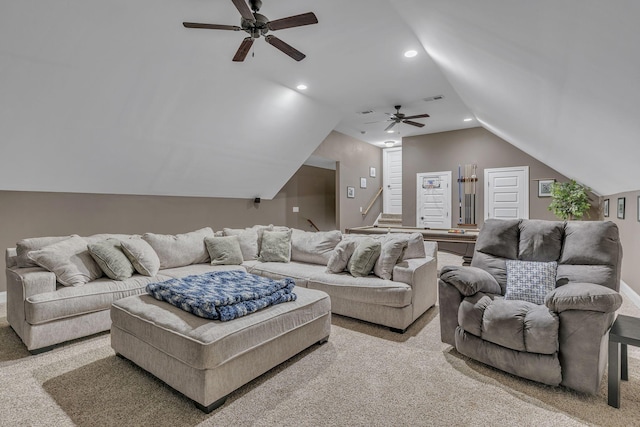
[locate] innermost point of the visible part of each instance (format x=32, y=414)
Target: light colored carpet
x=364, y=375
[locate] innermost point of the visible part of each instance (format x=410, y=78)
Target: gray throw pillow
x=390, y=253
x=224, y=250
x=142, y=256
x=364, y=258
x=69, y=260
x=113, y=262
x=340, y=256
x=180, y=249
x=530, y=280
x=248, y=239
x=276, y=246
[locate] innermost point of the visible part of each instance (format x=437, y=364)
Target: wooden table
x=455, y=243
x=625, y=330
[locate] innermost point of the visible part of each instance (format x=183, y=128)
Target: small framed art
x=351, y=192
x=621, y=207
x=372, y=172
x=544, y=187
x=638, y=211
x=605, y=208
x=363, y=182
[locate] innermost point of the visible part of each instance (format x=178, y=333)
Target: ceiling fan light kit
x=256, y=25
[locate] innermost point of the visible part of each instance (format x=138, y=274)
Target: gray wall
x=446, y=150
x=354, y=159
x=629, y=235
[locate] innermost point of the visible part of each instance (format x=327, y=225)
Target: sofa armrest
x=30, y=281
x=406, y=270
x=10, y=257
x=431, y=249
x=583, y=296
x=470, y=280
x=422, y=275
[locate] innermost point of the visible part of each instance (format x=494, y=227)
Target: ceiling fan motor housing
x=257, y=28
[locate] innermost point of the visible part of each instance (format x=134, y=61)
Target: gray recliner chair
x=560, y=342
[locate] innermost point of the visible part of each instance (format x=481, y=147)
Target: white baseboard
x=3, y=297
x=630, y=293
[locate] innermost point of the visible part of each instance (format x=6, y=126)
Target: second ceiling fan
x=399, y=117
x=256, y=25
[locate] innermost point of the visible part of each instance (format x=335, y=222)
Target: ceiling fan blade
x=390, y=126
x=244, y=10
x=417, y=116
x=409, y=122
x=244, y=48
x=211, y=26
x=293, y=21
x=285, y=48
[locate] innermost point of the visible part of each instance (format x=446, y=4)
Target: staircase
x=388, y=220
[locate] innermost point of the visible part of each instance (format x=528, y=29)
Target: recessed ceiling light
x=389, y=143
x=390, y=131
x=410, y=53
x=468, y=119
x=302, y=87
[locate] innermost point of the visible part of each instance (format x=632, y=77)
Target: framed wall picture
x=605, y=208
x=544, y=187
x=363, y=182
x=372, y=172
x=351, y=192
x=621, y=207
x=638, y=210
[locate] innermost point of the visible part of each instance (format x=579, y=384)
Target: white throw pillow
x=180, y=249
x=314, y=247
x=142, y=256
x=248, y=239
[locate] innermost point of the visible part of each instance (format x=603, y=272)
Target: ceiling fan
x=256, y=25
x=399, y=117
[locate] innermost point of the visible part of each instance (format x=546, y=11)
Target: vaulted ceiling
x=117, y=97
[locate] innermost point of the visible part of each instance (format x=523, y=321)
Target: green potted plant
x=569, y=200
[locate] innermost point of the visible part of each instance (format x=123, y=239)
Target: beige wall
x=446, y=150
x=629, y=235
x=354, y=159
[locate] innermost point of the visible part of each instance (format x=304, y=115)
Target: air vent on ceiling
x=364, y=113
x=434, y=98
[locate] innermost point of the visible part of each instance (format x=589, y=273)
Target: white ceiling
x=117, y=97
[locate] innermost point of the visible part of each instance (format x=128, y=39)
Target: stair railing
x=378, y=193
x=313, y=225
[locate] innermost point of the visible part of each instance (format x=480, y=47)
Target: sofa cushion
x=248, y=239
x=112, y=261
x=180, y=249
x=370, y=289
x=276, y=246
x=224, y=250
x=24, y=246
x=142, y=256
x=340, y=256
x=73, y=301
x=499, y=237
x=529, y=280
x=298, y=271
x=540, y=240
x=517, y=325
x=364, y=258
x=69, y=260
x=197, y=269
x=314, y=247
x=390, y=252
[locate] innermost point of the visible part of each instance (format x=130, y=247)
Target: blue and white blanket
x=223, y=295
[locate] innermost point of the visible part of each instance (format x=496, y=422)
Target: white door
x=506, y=193
x=433, y=200
x=392, y=180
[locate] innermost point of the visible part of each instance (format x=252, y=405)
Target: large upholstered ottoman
x=208, y=359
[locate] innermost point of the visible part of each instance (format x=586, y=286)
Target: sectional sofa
x=57, y=290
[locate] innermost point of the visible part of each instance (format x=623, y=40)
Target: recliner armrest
x=583, y=296
x=470, y=280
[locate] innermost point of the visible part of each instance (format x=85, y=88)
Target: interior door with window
x=433, y=201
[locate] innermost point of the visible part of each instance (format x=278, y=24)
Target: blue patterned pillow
x=529, y=280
